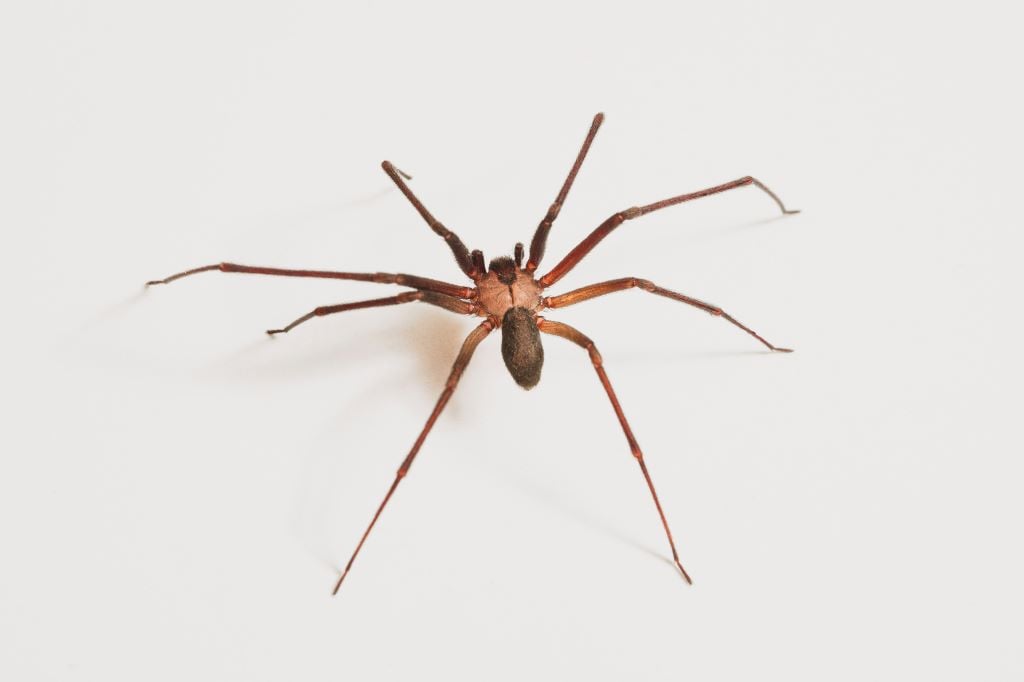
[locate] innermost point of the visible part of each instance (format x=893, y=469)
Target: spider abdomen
x=521, y=347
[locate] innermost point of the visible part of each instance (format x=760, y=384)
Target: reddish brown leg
x=577, y=337
x=470, y=344
x=447, y=302
x=595, y=290
x=462, y=255
x=379, y=277
x=540, y=237
x=605, y=228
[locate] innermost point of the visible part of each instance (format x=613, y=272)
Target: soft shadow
x=557, y=502
x=711, y=233
x=336, y=208
x=668, y=357
x=431, y=337
x=365, y=199
x=112, y=311
x=750, y=224
x=72, y=339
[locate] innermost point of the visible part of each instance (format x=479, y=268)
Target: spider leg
x=577, y=337
x=540, y=237
x=461, y=253
x=413, y=281
x=468, y=346
x=447, y=302
x=609, y=287
x=605, y=228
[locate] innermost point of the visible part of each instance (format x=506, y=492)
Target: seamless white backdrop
x=178, y=491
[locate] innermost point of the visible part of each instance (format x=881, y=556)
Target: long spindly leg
x=447, y=302
x=468, y=346
x=462, y=255
x=379, y=277
x=605, y=228
x=577, y=337
x=594, y=290
x=540, y=237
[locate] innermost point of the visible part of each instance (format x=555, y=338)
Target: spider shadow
x=720, y=232
x=557, y=502
x=663, y=356
x=364, y=199
x=411, y=353
x=87, y=341
x=431, y=338
x=110, y=312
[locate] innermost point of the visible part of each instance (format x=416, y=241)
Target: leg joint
x=409, y=296
x=644, y=284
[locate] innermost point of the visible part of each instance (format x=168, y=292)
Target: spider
x=509, y=296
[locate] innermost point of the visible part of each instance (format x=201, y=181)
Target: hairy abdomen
x=521, y=347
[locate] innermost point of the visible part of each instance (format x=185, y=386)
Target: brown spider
x=509, y=296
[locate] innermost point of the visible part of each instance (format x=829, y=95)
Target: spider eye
x=505, y=268
x=521, y=347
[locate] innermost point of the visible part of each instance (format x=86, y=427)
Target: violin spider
x=509, y=297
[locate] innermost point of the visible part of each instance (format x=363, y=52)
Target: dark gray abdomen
x=520, y=346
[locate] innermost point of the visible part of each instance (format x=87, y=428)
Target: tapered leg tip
x=783, y=350
x=792, y=211
x=155, y=282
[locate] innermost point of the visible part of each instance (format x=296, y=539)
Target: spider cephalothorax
x=507, y=294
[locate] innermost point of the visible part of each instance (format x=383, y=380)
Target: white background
x=178, y=491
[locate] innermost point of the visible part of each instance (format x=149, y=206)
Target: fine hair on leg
x=411, y=281
x=447, y=302
x=611, y=286
x=540, y=236
x=604, y=229
x=459, y=250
